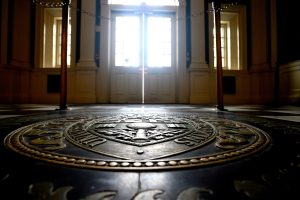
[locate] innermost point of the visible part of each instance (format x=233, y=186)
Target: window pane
x=127, y=41
x=52, y=38
x=222, y=42
x=159, y=44
x=222, y=32
x=148, y=2
x=162, y=2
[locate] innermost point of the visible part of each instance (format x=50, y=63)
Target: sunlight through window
x=148, y=2
x=225, y=46
x=147, y=43
x=127, y=41
x=159, y=42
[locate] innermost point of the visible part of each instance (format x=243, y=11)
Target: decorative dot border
x=14, y=142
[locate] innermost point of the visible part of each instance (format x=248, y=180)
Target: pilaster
x=87, y=34
x=198, y=34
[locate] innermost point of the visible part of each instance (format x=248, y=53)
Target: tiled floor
x=250, y=152
x=287, y=113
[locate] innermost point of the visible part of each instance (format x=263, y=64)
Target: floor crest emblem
x=137, y=141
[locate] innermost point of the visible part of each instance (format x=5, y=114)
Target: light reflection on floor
x=288, y=113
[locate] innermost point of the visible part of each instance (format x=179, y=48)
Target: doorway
x=143, y=57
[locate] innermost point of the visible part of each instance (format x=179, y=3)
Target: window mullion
x=143, y=53
x=143, y=40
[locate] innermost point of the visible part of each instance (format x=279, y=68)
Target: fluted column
x=87, y=34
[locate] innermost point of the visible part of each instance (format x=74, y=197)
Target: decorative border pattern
x=15, y=142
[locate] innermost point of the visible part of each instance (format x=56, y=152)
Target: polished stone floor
x=134, y=152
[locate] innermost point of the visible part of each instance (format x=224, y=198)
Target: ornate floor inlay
x=137, y=141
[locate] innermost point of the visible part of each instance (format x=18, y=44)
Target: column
x=3, y=29
x=198, y=34
x=21, y=36
x=103, y=75
x=200, y=79
x=85, y=72
x=87, y=34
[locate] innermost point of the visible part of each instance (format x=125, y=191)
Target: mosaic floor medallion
x=137, y=141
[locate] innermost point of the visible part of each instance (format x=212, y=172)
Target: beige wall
x=20, y=82
x=290, y=83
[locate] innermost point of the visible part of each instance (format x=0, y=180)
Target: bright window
x=225, y=46
x=57, y=43
x=52, y=38
x=233, y=38
x=159, y=42
x=148, y=2
x=147, y=43
x=127, y=41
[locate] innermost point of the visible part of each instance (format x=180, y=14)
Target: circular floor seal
x=137, y=141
